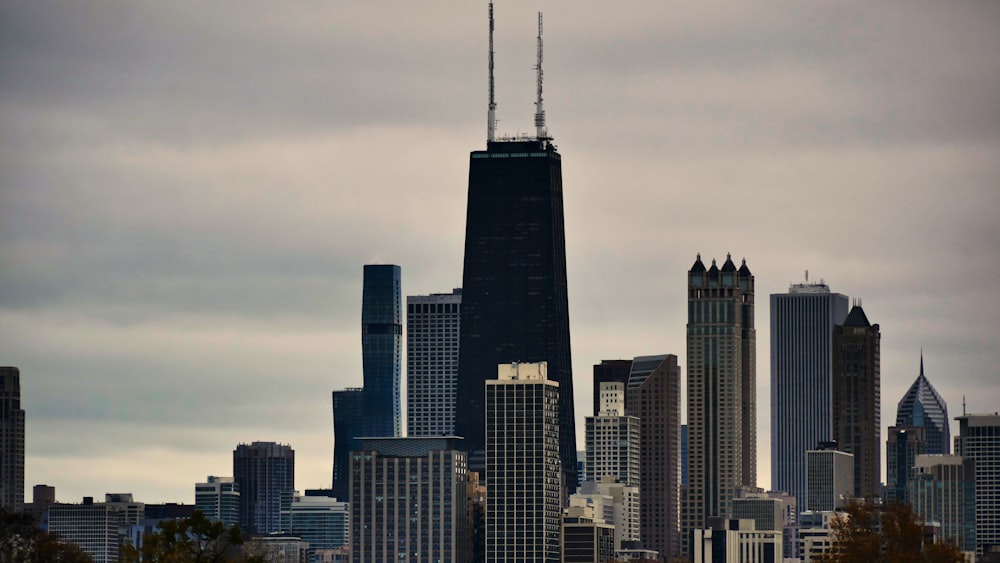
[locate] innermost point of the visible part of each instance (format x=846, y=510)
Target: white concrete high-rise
x=612, y=439
x=829, y=478
x=523, y=480
x=432, y=339
x=979, y=441
x=802, y=322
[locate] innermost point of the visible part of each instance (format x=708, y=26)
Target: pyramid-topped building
x=923, y=406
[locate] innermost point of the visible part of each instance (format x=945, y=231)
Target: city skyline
x=185, y=207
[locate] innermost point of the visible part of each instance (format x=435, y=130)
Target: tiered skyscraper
x=857, y=398
x=11, y=440
x=524, y=503
x=432, y=330
x=802, y=323
x=262, y=471
x=922, y=406
x=613, y=438
x=654, y=396
x=514, y=298
x=721, y=391
x=382, y=350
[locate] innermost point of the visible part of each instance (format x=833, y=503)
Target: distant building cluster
x=488, y=470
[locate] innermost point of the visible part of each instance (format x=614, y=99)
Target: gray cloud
x=188, y=192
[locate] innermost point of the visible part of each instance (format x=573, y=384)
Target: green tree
x=189, y=540
x=22, y=541
x=884, y=534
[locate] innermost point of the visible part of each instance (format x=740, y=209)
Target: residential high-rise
x=902, y=447
x=11, y=440
x=922, y=406
x=943, y=490
x=721, y=390
x=408, y=500
x=829, y=478
x=523, y=508
x=586, y=538
x=857, y=418
x=381, y=350
x=319, y=519
x=654, y=397
x=979, y=441
x=93, y=527
x=515, y=305
x=432, y=330
x=615, y=503
x=612, y=438
x=608, y=371
x=348, y=412
x=262, y=471
x=219, y=499
x=802, y=323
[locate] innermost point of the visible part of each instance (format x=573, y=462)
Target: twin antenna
x=491, y=116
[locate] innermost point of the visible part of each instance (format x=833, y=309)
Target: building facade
x=586, y=538
x=262, y=471
x=732, y=540
x=219, y=499
x=514, y=293
x=348, y=413
x=320, y=521
x=94, y=527
x=382, y=350
x=11, y=440
x=654, y=397
x=523, y=488
x=943, y=490
x=606, y=372
x=612, y=439
x=829, y=478
x=408, y=500
x=923, y=406
x=902, y=447
x=857, y=422
x=614, y=503
x=979, y=441
x=721, y=390
x=432, y=340
x=802, y=322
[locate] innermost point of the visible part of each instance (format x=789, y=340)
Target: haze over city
x=189, y=193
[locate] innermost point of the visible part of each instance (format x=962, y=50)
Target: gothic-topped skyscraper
x=922, y=406
x=514, y=298
x=721, y=391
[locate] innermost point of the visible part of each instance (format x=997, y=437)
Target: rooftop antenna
x=540, y=130
x=491, y=115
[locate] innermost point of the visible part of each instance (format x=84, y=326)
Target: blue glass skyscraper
x=381, y=350
x=922, y=406
x=802, y=323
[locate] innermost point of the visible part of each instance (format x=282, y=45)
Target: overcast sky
x=189, y=190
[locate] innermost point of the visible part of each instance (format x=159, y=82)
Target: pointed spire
x=698, y=266
x=728, y=266
x=744, y=270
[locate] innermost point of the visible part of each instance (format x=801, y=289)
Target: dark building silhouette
x=263, y=471
x=382, y=350
x=654, y=396
x=607, y=371
x=902, y=447
x=11, y=440
x=514, y=300
x=348, y=410
x=856, y=398
x=922, y=406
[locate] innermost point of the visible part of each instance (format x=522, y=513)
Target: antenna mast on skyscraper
x=540, y=130
x=491, y=115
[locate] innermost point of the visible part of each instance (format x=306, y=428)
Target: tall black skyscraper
x=382, y=349
x=348, y=412
x=514, y=300
x=11, y=440
x=263, y=471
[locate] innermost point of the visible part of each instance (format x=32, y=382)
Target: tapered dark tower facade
x=514, y=301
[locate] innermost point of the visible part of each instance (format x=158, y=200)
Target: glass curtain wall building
x=382, y=350
x=802, y=322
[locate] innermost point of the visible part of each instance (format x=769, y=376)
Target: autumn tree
x=888, y=533
x=189, y=540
